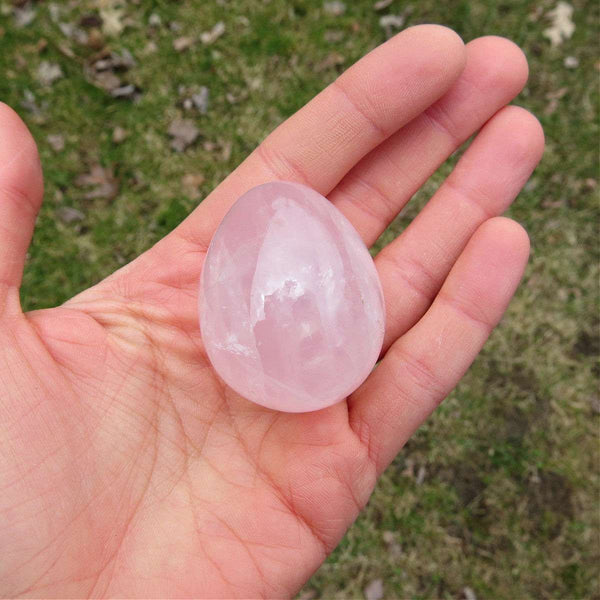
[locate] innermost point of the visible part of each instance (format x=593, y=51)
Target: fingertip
x=498, y=62
x=438, y=51
x=527, y=134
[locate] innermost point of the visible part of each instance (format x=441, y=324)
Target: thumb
x=21, y=190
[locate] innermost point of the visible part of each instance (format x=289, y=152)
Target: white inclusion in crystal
x=293, y=247
x=232, y=344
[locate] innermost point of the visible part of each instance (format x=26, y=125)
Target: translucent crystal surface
x=291, y=308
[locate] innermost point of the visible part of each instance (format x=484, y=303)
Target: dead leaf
x=107, y=80
x=226, y=148
x=382, y=4
x=191, y=185
x=335, y=8
x=333, y=59
x=421, y=473
x=112, y=20
x=209, y=37
x=41, y=45
x=101, y=180
x=119, y=135
x=56, y=141
x=393, y=547
x=374, y=591
x=68, y=214
x=66, y=50
x=469, y=594
x=389, y=23
x=128, y=92
x=24, y=16
x=154, y=20
x=562, y=26
x=409, y=468
x=200, y=100
x=184, y=133
x=95, y=39
x=571, y=62
x=149, y=48
x=182, y=43
x=48, y=73
x=557, y=94
x=30, y=104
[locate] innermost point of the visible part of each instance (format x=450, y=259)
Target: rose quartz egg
x=291, y=307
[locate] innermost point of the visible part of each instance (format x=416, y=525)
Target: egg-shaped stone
x=291, y=307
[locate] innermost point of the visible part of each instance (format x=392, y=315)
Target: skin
x=128, y=469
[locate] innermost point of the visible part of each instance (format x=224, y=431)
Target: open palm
x=127, y=467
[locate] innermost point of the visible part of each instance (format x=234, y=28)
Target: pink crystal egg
x=291, y=307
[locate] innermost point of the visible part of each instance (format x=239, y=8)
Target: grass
x=499, y=491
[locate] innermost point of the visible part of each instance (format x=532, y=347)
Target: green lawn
x=499, y=491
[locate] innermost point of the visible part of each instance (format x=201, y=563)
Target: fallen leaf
x=469, y=594
x=70, y=31
x=114, y=61
x=571, y=62
x=421, y=473
x=209, y=37
x=68, y=214
x=55, y=11
x=119, y=135
x=182, y=43
x=41, y=45
x=226, y=149
x=66, y=50
x=333, y=59
x=374, y=591
x=23, y=16
x=95, y=39
x=48, y=73
x=112, y=20
x=562, y=26
x=101, y=180
x=200, y=100
x=128, y=91
x=557, y=94
x=184, y=133
x=393, y=547
x=391, y=22
x=56, y=141
x=107, y=81
x=409, y=468
x=149, y=48
x=382, y=4
x=335, y=8
x=30, y=104
x=154, y=20
x=191, y=185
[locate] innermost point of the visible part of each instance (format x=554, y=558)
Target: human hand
x=127, y=468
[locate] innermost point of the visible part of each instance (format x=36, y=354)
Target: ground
x=496, y=497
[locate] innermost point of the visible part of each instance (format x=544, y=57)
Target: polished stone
x=291, y=307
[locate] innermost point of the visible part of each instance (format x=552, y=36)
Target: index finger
x=319, y=144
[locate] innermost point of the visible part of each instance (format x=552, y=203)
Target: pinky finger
x=426, y=363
